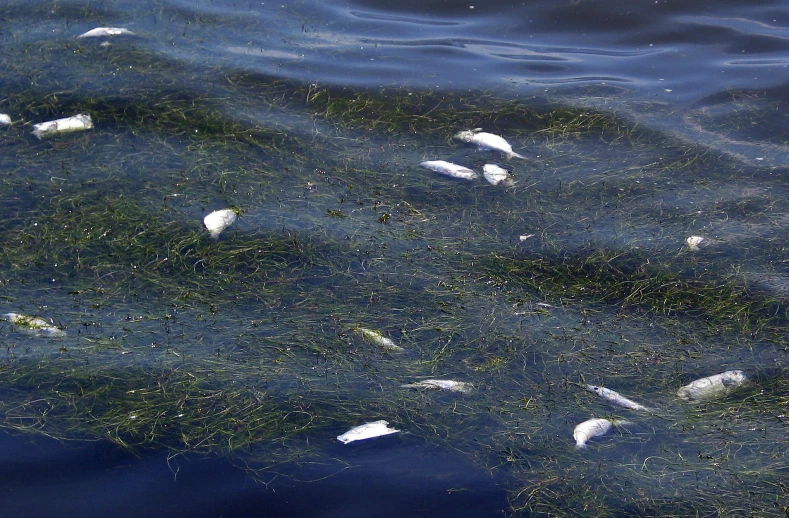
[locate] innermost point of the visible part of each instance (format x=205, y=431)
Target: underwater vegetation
x=350, y=273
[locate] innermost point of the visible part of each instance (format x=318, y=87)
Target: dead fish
x=713, y=386
x=366, y=431
x=450, y=169
x=487, y=141
x=379, y=340
x=695, y=242
x=218, y=221
x=450, y=385
x=100, y=32
x=593, y=428
x=78, y=122
x=497, y=175
x=615, y=397
x=34, y=326
x=5, y=120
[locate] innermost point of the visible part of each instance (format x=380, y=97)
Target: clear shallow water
x=673, y=125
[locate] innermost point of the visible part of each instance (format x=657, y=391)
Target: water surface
x=240, y=359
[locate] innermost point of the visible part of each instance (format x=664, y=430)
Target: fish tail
x=513, y=154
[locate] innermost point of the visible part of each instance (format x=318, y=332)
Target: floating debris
x=100, y=32
x=450, y=385
x=34, y=326
x=695, y=242
x=487, y=141
x=615, y=397
x=450, y=169
x=366, y=431
x=593, y=428
x=497, y=175
x=713, y=386
x=5, y=120
x=219, y=220
x=76, y=123
x=379, y=339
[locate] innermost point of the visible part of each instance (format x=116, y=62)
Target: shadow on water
x=96, y=478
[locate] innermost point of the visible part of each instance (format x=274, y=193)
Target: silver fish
x=379, y=340
x=366, y=431
x=497, y=175
x=713, y=386
x=100, y=32
x=69, y=124
x=450, y=169
x=615, y=397
x=593, y=428
x=450, y=385
x=487, y=141
x=5, y=119
x=34, y=326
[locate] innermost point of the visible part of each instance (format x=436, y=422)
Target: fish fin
x=516, y=155
x=477, y=130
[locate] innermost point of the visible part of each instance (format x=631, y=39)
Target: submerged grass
x=632, y=279
x=178, y=409
x=114, y=239
x=263, y=361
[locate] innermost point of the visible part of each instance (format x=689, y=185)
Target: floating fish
x=695, y=242
x=487, y=141
x=366, y=431
x=450, y=169
x=5, y=120
x=497, y=175
x=76, y=123
x=614, y=397
x=34, y=326
x=451, y=385
x=593, y=428
x=219, y=220
x=713, y=386
x=379, y=339
x=100, y=32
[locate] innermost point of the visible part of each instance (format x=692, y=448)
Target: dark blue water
x=706, y=76
x=45, y=478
